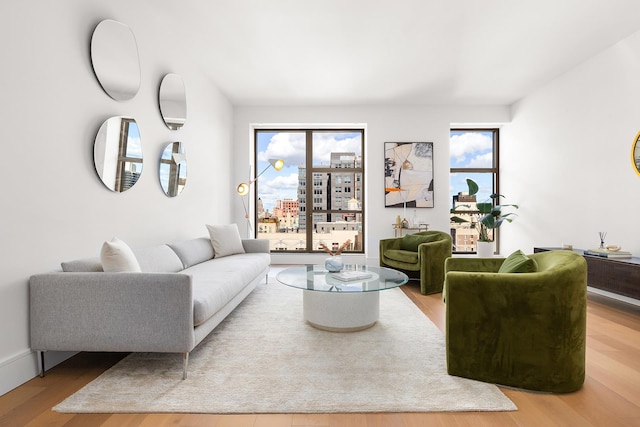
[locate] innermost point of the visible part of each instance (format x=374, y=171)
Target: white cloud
x=467, y=143
x=481, y=161
x=288, y=146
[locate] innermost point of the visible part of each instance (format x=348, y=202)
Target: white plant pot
x=485, y=249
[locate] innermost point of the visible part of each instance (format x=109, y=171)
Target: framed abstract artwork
x=408, y=174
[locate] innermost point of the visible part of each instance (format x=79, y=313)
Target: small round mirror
x=173, y=169
x=173, y=101
x=635, y=154
x=114, y=55
x=117, y=153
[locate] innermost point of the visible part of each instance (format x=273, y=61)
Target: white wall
x=54, y=207
x=566, y=156
x=383, y=124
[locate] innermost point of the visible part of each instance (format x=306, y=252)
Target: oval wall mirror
x=173, y=169
x=117, y=153
x=635, y=154
x=173, y=101
x=114, y=55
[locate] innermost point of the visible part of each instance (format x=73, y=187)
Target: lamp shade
x=243, y=189
x=277, y=163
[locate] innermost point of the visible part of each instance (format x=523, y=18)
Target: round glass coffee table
x=341, y=302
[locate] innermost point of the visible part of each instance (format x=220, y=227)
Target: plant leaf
x=473, y=187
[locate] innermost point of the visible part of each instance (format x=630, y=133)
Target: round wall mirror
x=117, y=153
x=635, y=154
x=173, y=101
x=114, y=55
x=173, y=169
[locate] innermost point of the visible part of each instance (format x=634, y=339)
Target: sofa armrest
x=256, y=245
x=111, y=312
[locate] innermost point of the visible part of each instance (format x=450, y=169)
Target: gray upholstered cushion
x=225, y=240
x=216, y=282
x=158, y=259
x=84, y=265
x=194, y=251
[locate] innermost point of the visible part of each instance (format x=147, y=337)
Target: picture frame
x=408, y=174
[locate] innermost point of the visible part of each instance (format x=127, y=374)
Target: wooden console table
x=619, y=276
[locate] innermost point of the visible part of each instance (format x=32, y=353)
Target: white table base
x=341, y=311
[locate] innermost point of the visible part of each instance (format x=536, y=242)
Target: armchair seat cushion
x=408, y=257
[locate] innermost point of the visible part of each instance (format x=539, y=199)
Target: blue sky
x=471, y=149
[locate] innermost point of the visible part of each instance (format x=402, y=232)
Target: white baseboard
x=612, y=295
x=22, y=367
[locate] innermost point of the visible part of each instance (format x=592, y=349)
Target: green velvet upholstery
x=425, y=262
x=524, y=330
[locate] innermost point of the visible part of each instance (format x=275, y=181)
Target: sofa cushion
x=410, y=242
x=225, y=240
x=518, y=262
x=117, y=256
x=217, y=281
x=410, y=257
x=158, y=259
x=83, y=265
x=193, y=251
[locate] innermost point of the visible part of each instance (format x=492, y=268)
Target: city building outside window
x=330, y=214
x=474, y=154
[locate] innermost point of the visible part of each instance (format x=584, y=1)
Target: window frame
x=310, y=194
x=495, y=170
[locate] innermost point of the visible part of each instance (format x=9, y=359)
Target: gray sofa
x=181, y=295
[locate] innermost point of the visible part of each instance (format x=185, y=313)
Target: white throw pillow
x=116, y=256
x=225, y=240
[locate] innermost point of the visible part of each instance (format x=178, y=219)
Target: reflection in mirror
x=173, y=102
x=117, y=153
x=173, y=169
x=114, y=55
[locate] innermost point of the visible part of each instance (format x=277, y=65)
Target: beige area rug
x=264, y=358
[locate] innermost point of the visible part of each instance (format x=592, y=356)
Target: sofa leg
x=41, y=363
x=185, y=365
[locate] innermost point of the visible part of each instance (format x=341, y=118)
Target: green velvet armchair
x=525, y=330
x=419, y=255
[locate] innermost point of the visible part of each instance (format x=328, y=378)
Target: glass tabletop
x=353, y=278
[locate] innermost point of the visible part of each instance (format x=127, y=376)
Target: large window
x=318, y=196
x=474, y=155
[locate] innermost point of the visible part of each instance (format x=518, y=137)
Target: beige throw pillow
x=225, y=240
x=116, y=256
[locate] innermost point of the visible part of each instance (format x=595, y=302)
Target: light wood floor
x=610, y=396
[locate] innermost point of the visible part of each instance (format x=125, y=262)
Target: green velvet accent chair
x=420, y=256
x=524, y=330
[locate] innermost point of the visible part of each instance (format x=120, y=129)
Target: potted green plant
x=491, y=216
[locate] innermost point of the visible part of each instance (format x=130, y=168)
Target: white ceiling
x=376, y=52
